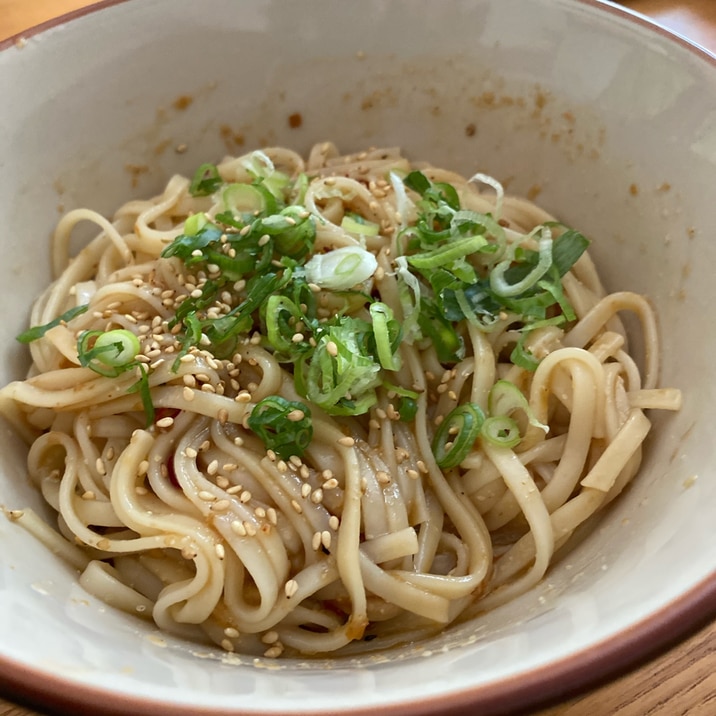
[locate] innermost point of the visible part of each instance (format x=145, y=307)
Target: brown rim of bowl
x=539, y=687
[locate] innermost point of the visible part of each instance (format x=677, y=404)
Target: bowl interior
x=572, y=104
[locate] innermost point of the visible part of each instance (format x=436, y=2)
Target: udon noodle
x=297, y=406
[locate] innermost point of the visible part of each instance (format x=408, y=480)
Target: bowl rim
x=539, y=687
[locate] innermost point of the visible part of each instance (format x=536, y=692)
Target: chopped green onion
x=142, y=387
x=284, y=426
x=407, y=409
x=356, y=224
x=567, y=249
x=449, y=345
x=111, y=353
x=408, y=284
x=247, y=199
x=282, y=319
x=522, y=357
x=456, y=435
x=399, y=390
x=445, y=255
x=195, y=223
x=342, y=374
x=186, y=244
x=501, y=431
x=108, y=353
x=342, y=268
x=387, y=334
x=499, y=284
x=496, y=185
x=206, y=180
x=297, y=233
x=32, y=334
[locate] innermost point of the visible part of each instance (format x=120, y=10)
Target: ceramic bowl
x=604, y=119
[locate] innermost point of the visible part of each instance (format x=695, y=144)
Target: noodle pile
x=327, y=439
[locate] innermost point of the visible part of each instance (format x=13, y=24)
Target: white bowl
x=607, y=118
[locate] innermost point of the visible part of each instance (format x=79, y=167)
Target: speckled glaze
x=603, y=118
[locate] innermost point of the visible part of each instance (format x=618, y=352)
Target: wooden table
x=682, y=681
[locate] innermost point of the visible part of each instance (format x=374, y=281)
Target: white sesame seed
x=346, y=441
x=297, y=507
x=274, y=651
x=291, y=587
x=99, y=465
x=231, y=633
x=332, y=348
x=326, y=539
x=190, y=452
x=330, y=484
x=206, y=496
x=317, y=496
x=296, y=415
x=272, y=516
x=227, y=645
x=316, y=541
x=245, y=496
x=220, y=551
x=238, y=528
x=188, y=394
x=270, y=637
x=213, y=467
x=165, y=422
x=333, y=522
x=221, y=506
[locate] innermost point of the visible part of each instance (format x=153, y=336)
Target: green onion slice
x=387, y=334
x=284, y=426
x=456, y=435
x=505, y=398
x=206, y=180
x=108, y=353
x=342, y=268
x=356, y=224
x=32, y=334
x=501, y=431
x=500, y=285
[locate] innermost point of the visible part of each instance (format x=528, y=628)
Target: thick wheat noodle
x=193, y=523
